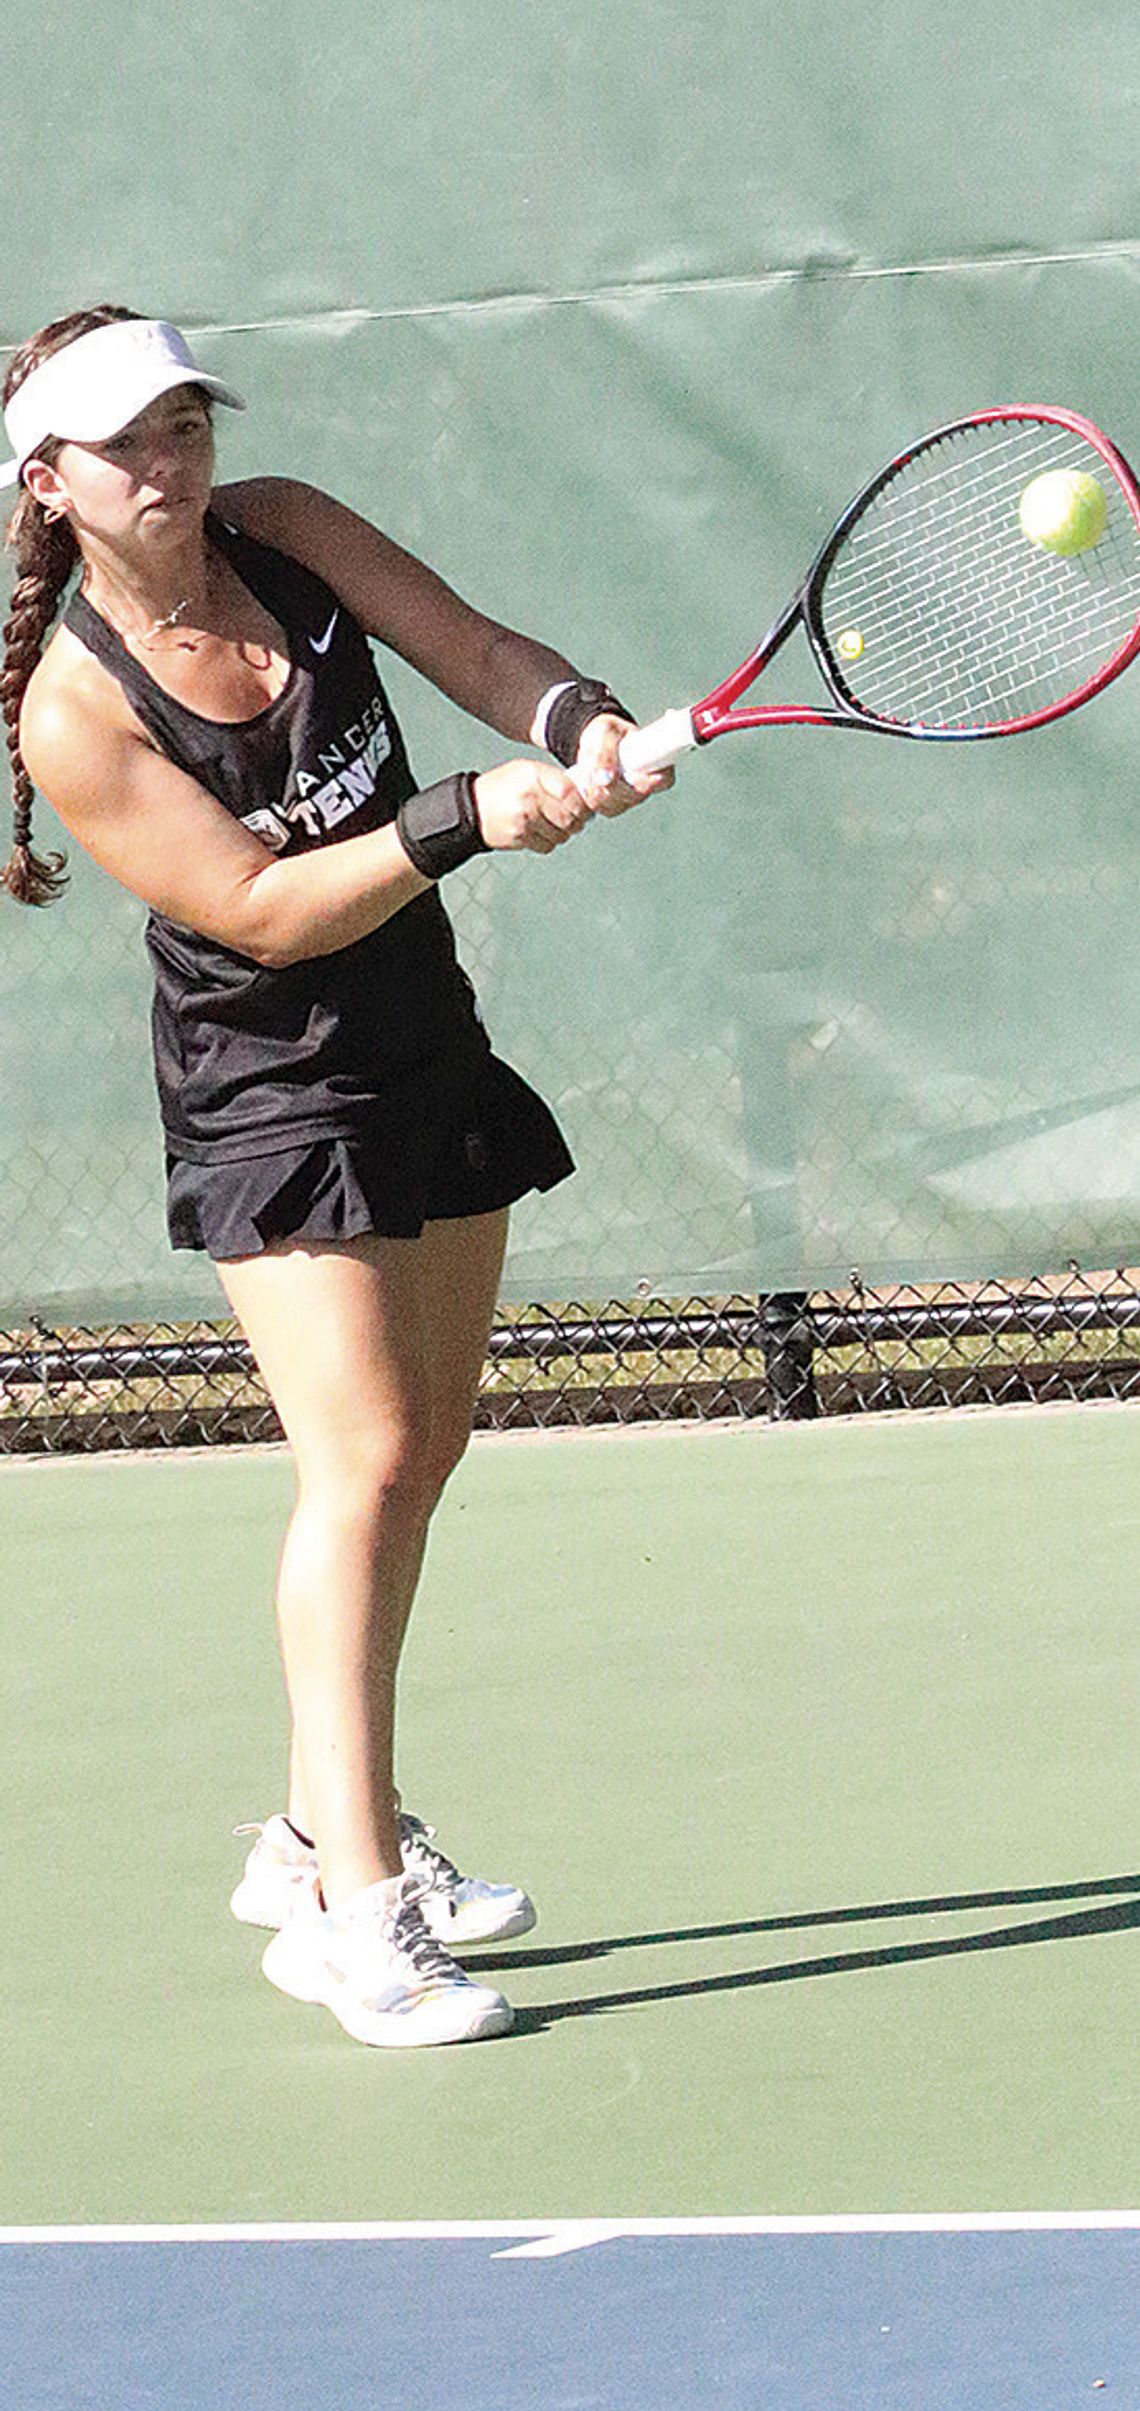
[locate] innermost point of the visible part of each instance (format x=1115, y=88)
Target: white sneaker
x=281, y=1875
x=461, y=1908
x=377, y=1967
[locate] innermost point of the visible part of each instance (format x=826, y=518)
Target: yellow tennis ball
x=1065, y=511
x=849, y=645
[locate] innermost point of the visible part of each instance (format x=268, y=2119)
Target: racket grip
x=658, y=745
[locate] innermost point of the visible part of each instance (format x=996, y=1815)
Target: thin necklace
x=158, y=627
x=171, y=621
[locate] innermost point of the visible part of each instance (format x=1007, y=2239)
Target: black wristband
x=439, y=827
x=572, y=711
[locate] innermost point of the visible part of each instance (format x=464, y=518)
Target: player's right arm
x=160, y=834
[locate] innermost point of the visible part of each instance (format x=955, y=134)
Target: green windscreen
x=606, y=312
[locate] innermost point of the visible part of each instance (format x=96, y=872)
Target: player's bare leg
x=372, y=1354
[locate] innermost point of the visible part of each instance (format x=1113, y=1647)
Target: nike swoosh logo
x=320, y=644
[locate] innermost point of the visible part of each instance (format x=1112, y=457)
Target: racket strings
x=939, y=612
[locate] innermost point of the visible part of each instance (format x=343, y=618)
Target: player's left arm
x=493, y=672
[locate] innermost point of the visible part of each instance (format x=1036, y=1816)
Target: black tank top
x=249, y=1060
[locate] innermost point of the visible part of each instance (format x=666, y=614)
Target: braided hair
x=46, y=554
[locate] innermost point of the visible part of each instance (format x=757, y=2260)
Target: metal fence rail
x=784, y=1356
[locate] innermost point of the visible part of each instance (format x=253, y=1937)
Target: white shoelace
x=439, y=1873
x=416, y=1943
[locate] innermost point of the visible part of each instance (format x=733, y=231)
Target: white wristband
x=542, y=709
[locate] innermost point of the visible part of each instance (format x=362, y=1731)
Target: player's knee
x=383, y=1475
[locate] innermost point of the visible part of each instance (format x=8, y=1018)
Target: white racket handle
x=657, y=746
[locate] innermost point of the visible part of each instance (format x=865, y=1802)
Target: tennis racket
x=932, y=613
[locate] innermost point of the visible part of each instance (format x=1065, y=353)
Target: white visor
x=95, y=386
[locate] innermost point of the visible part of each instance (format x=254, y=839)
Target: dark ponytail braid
x=46, y=554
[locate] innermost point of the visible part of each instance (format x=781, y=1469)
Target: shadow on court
x=1120, y=1913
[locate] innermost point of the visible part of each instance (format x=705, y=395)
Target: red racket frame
x=715, y=715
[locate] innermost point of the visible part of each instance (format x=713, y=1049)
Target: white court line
x=576, y=2235
x=545, y=2239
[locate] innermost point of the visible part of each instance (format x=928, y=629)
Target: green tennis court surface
x=814, y=1745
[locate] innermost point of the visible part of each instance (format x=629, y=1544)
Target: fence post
x=788, y=1342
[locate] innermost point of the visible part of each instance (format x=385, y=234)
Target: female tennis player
x=208, y=722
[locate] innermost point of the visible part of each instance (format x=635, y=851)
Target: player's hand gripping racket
x=987, y=582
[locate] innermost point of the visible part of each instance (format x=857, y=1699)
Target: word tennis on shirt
x=344, y=781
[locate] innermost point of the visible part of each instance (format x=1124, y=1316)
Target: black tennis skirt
x=467, y=1144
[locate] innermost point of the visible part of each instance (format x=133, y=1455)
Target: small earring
x=56, y=511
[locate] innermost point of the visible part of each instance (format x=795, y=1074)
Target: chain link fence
x=812, y=1069
x=699, y=1139
x=834, y=1005
x=787, y=1356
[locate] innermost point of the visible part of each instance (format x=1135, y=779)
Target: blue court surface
x=842, y=2315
